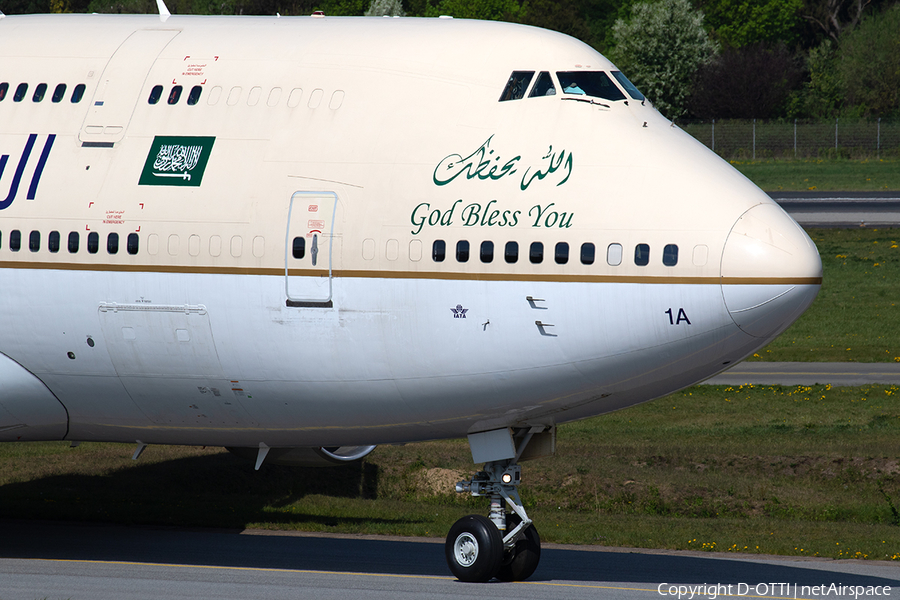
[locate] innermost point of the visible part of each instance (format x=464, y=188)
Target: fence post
x=878, y=146
x=795, y=138
x=713, y=135
x=754, y=139
x=835, y=137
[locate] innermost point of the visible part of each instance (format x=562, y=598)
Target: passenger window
x=39, y=92
x=614, y=255
x=132, y=243
x=536, y=253
x=93, y=242
x=701, y=255
x=516, y=85
x=53, y=241
x=77, y=93
x=487, y=252
x=20, y=92
x=194, y=245
x=670, y=255
x=298, y=248
x=512, y=252
x=587, y=253
x=415, y=250
x=589, y=83
x=629, y=87
x=253, y=96
x=642, y=255
x=59, y=93
x=438, y=250
x=462, y=251
x=34, y=241
x=543, y=86
x=15, y=240
x=194, y=96
x=175, y=95
x=4, y=87
x=562, y=253
x=112, y=243
x=155, y=94
x=73, y=242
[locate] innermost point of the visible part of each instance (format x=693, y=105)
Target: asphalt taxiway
x=809, y=373
x=841, y=209
x=103, y=562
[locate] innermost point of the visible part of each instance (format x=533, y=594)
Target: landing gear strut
x=504, y=545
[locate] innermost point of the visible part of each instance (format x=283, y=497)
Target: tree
x=824, y=93
x=869, y=63
x=385, y=8
x=661, y=48
x=558, y=16
x=746, y=83
x=590, y=21
x=740, y=23
x=834, y=16
x=490, y=10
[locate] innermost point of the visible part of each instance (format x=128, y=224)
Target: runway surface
x=841, y=209
x=808, y=373
x=100, y=562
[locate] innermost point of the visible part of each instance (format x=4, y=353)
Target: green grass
x=822, y=175
x=856, y=316
x=796, y=471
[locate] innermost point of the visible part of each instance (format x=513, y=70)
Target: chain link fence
x=740, y=139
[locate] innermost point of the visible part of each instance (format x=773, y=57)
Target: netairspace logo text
x=782, y=590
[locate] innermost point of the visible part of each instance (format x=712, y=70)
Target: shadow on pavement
x=75, y=541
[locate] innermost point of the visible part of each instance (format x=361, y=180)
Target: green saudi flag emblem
x=176, y=160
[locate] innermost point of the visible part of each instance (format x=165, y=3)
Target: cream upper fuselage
x=367, y=145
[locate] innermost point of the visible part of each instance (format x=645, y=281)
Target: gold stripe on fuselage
x=448, y=276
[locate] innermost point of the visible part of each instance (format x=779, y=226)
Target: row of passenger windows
x=40, y=92
x=236, y=94
x=73, y=242
x=174, y=95
x=614, y=253
x=172, y=244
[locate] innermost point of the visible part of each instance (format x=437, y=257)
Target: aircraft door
x=310, y=249
x=121, y=85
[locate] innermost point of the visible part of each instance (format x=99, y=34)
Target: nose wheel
x=520, y=561
x=506, y=545
x=474, y=549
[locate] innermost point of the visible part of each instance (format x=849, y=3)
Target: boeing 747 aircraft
x=299, y=238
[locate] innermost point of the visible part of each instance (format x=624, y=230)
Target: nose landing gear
x=506, y=545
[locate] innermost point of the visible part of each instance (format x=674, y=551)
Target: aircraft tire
x=474, y=549
x=521, y=561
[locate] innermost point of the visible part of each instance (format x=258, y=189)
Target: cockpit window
x=589, y=83
x=516, y=86
x=629, y=87
x=543, y=86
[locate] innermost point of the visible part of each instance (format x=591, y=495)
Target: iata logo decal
x=176, y=160
x=459, y=312
x=16, y=179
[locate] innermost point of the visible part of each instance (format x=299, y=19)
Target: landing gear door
x=310, y=249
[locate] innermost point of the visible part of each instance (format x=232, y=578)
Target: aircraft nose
x=771, y=271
